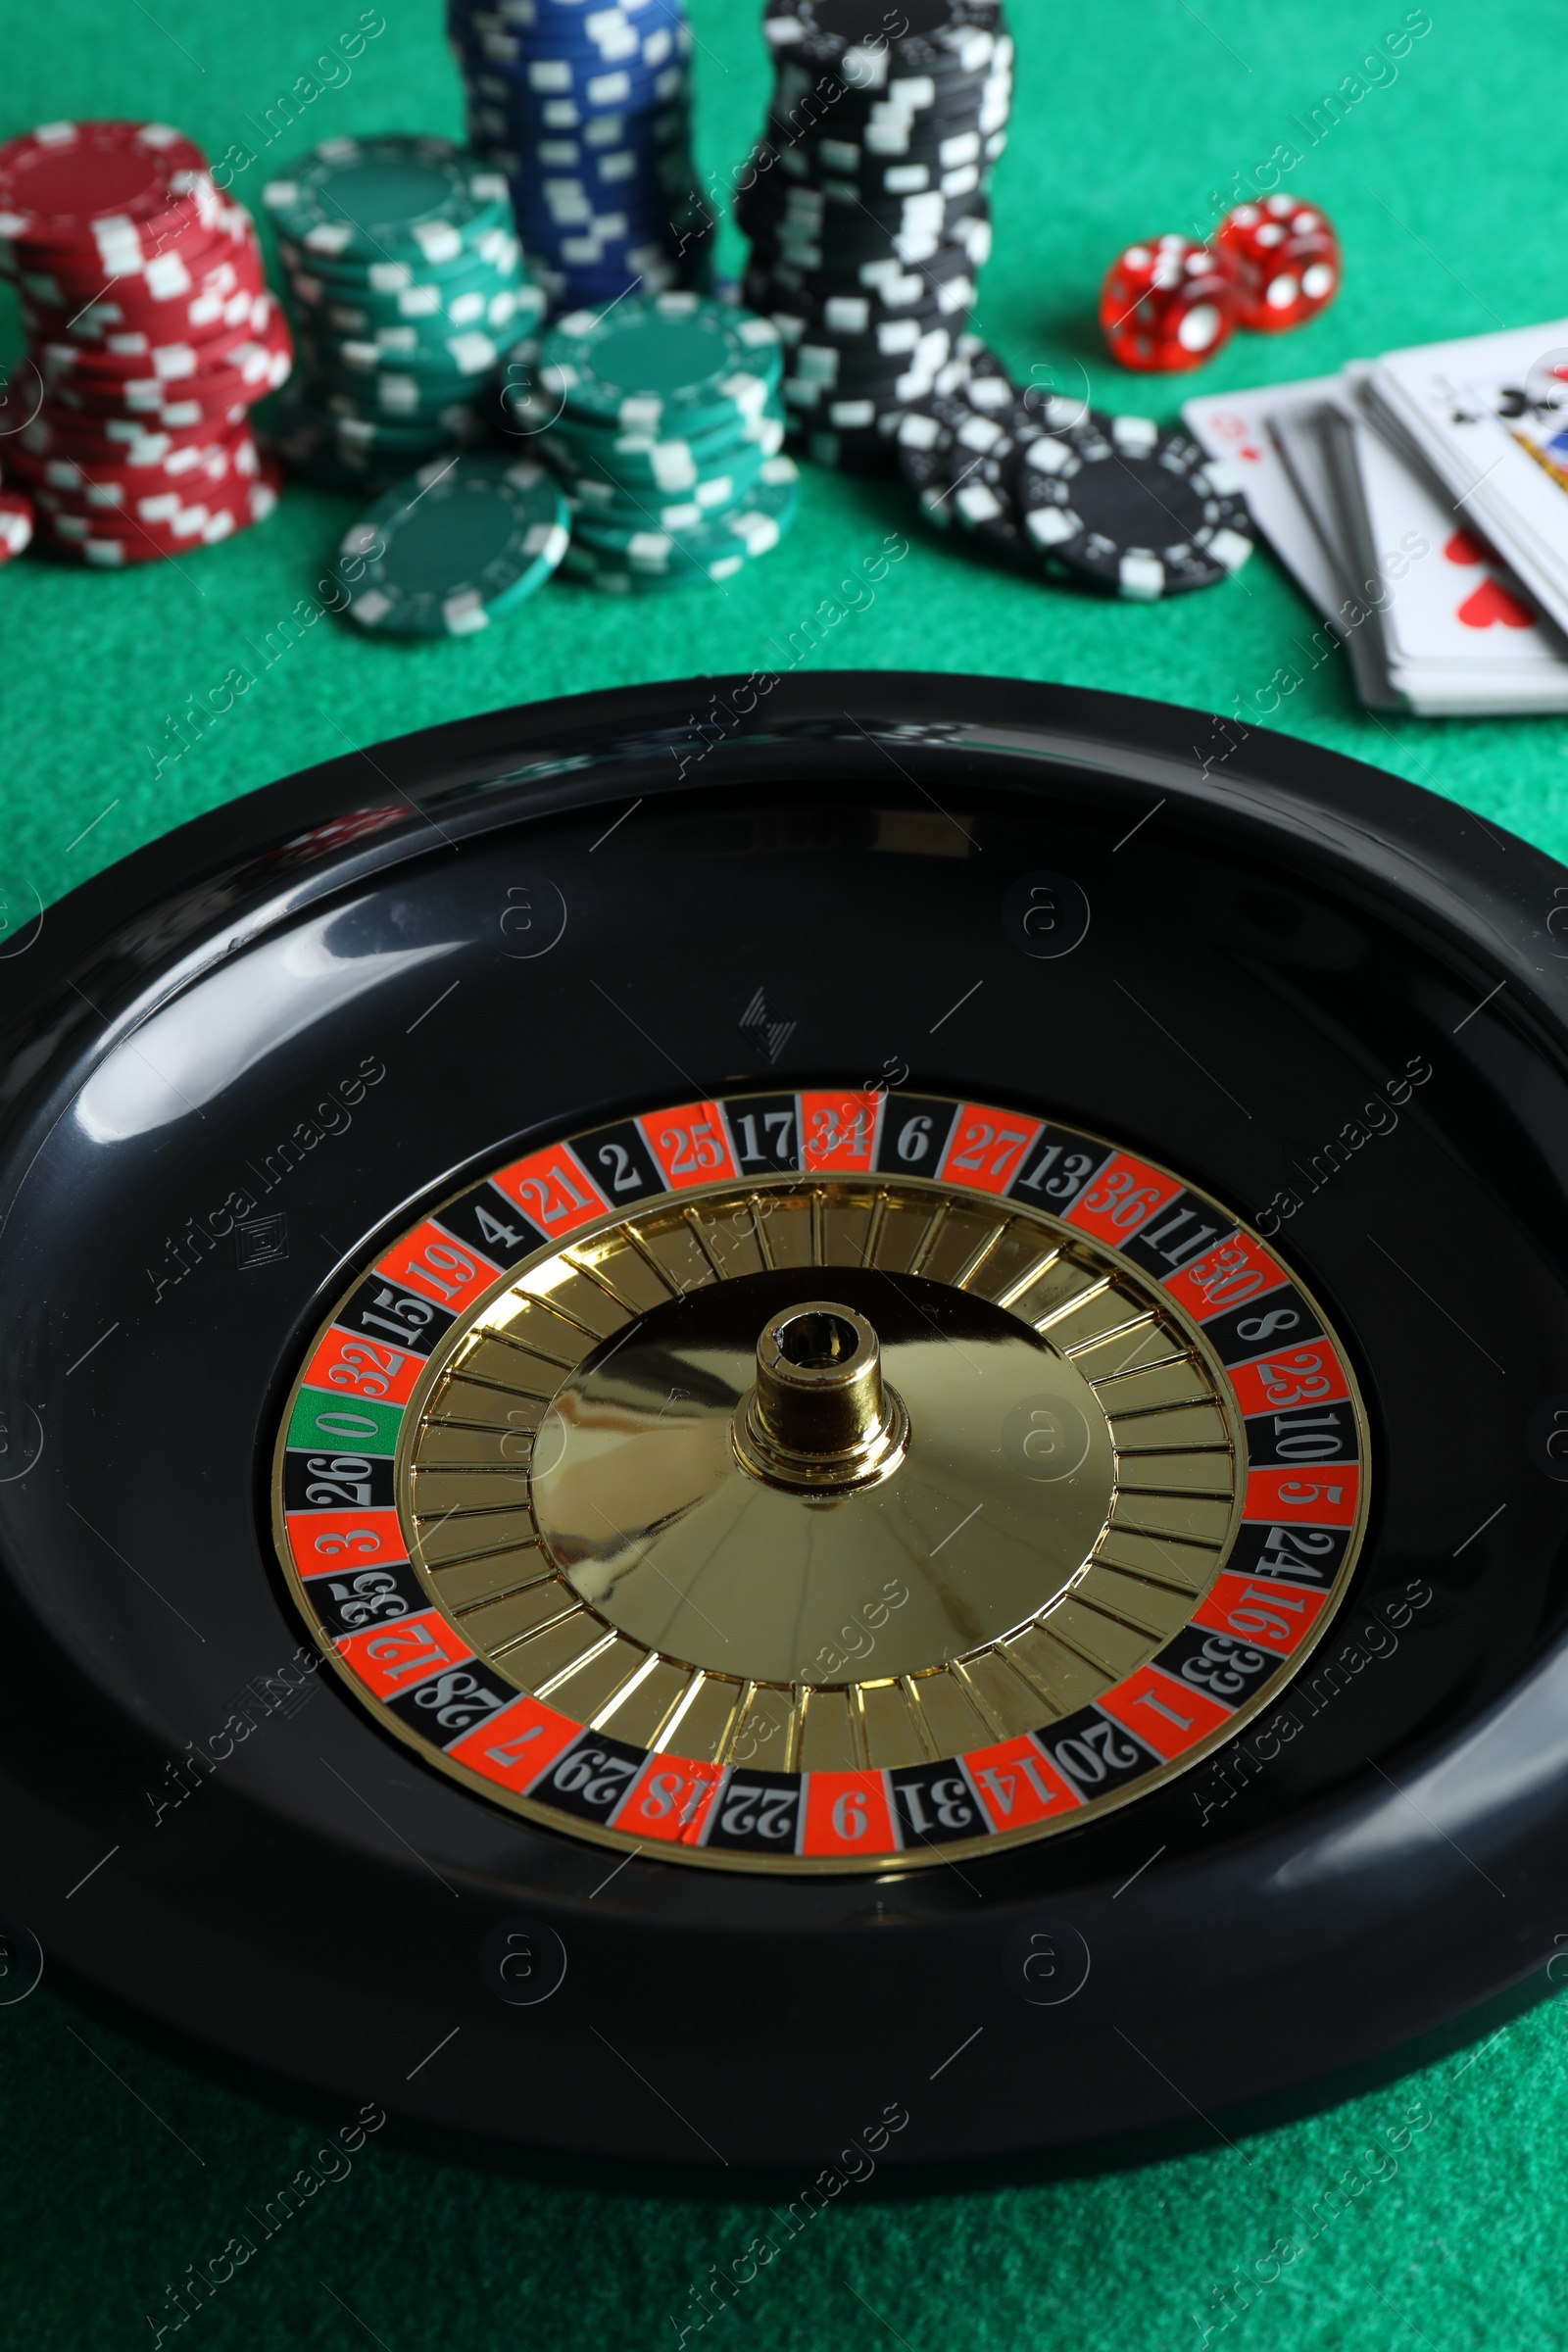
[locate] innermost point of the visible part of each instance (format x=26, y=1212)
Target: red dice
x=1284, y=257
x=1166, y=306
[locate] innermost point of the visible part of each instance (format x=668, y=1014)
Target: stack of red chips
x=152, y=333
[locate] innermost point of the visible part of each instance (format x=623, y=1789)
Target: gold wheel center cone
x=821, y=1419
x=962, y=1499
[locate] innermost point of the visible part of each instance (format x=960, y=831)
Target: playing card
x=1449, y=605
x=1488, y=413
x=1263, y=434
x=1235, y=426
x=1457, y=633
x=1299, y=430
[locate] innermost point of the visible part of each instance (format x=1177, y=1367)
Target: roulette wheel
x=852, y=1408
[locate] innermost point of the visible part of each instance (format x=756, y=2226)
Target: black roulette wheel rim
x=313, y=1897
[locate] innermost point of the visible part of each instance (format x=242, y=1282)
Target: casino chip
x=940, y=38
x=661, y=419
x=667, y=364
x=152, y=332
x=386, y=201
x=703, y=546
x=351, y=454
x=866, y=202
x=957, y=441
x=588, y=113
x=1045, y=482
x=986, y=448
x=159, y=524
x=1131, y=509
x=119, y=189
x=406, y=283
x=461, y=543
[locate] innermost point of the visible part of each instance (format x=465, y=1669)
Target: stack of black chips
x=1049, y=484
x=866, y=205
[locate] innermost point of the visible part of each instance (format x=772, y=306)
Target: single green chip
x=638, y=461
x=495, y=257
x=393, y=413
x=388, y=201
x=610, y=578
x=349, y=457
x=666, y=364
x=713, y=549
x=641, y=507
x=667, y=459
x=426, y=313
x=454, y=358
x=453, y=547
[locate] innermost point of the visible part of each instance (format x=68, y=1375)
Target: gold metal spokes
x=821, y=1419
x=646, y=1506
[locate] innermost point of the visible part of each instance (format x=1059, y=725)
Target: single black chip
x=957, y=447
x=925, y=441
x=1131, y=509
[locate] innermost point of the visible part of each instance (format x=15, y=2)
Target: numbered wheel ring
x=567, y=1519
x=429, y=1210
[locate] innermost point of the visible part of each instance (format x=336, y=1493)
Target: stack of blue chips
x=586, y=109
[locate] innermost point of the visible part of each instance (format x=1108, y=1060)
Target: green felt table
x=1421, y=2211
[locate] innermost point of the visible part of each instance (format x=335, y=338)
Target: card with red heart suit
x=1430, y=617
x=1455, y=622
x=1488, y=416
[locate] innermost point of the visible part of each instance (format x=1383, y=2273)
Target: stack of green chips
x=406, y=283
x=663, y=421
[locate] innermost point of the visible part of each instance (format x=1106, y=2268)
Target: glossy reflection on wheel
x=657, y=1526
